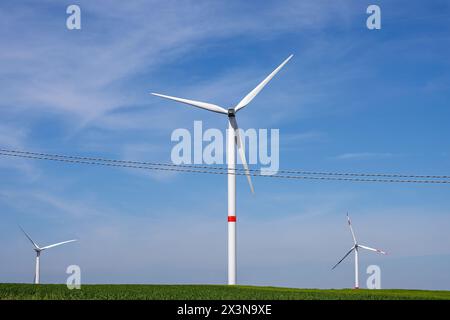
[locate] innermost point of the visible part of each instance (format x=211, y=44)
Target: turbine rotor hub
x=231, y=112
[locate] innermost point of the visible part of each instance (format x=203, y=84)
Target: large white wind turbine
x=233, y=139
x=39, y=250
x=355, y=248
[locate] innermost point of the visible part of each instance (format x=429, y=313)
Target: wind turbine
x=39, y=250
x=233, y=138
x=355, y=248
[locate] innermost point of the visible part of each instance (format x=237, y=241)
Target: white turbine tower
x=38, y=252
x=355, y=248
x=232, y=139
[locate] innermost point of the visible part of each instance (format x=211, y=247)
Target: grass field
x=204, y=292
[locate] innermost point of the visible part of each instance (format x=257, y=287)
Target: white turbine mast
x=38, y=251
x=355, y=248
x=234, y=140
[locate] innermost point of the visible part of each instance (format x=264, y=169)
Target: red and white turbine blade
x=249, y=97
x=351, y=228
x=241, y=150
x=57, y=244
x=198, y=104
x=346, y=255
x=372, y=249
x=29, y=238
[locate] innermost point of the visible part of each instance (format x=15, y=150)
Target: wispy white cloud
x=364, y=156
x=12, y=136
x=80, y=74
x=309, y=136
x=50, y=205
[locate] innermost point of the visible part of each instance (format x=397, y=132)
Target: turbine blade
x=351, y=228
x=57, y=244
x=241, y=150
x=346, y=255
x=249, y=97
x=372, y=249
x=198, y=104
x=29, y=238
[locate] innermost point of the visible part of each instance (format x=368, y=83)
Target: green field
x=205, y=292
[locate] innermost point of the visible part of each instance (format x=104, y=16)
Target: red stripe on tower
x=231, y=218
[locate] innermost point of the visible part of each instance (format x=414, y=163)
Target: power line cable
x=196, y=167
x=189, y=170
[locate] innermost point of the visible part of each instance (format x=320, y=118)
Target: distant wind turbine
x=233, y=139
x=39, y=250
x=355, y=248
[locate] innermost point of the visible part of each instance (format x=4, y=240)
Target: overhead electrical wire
x=211, y=167
x=281, y=174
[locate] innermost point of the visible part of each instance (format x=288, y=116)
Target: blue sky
x=350, y=100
